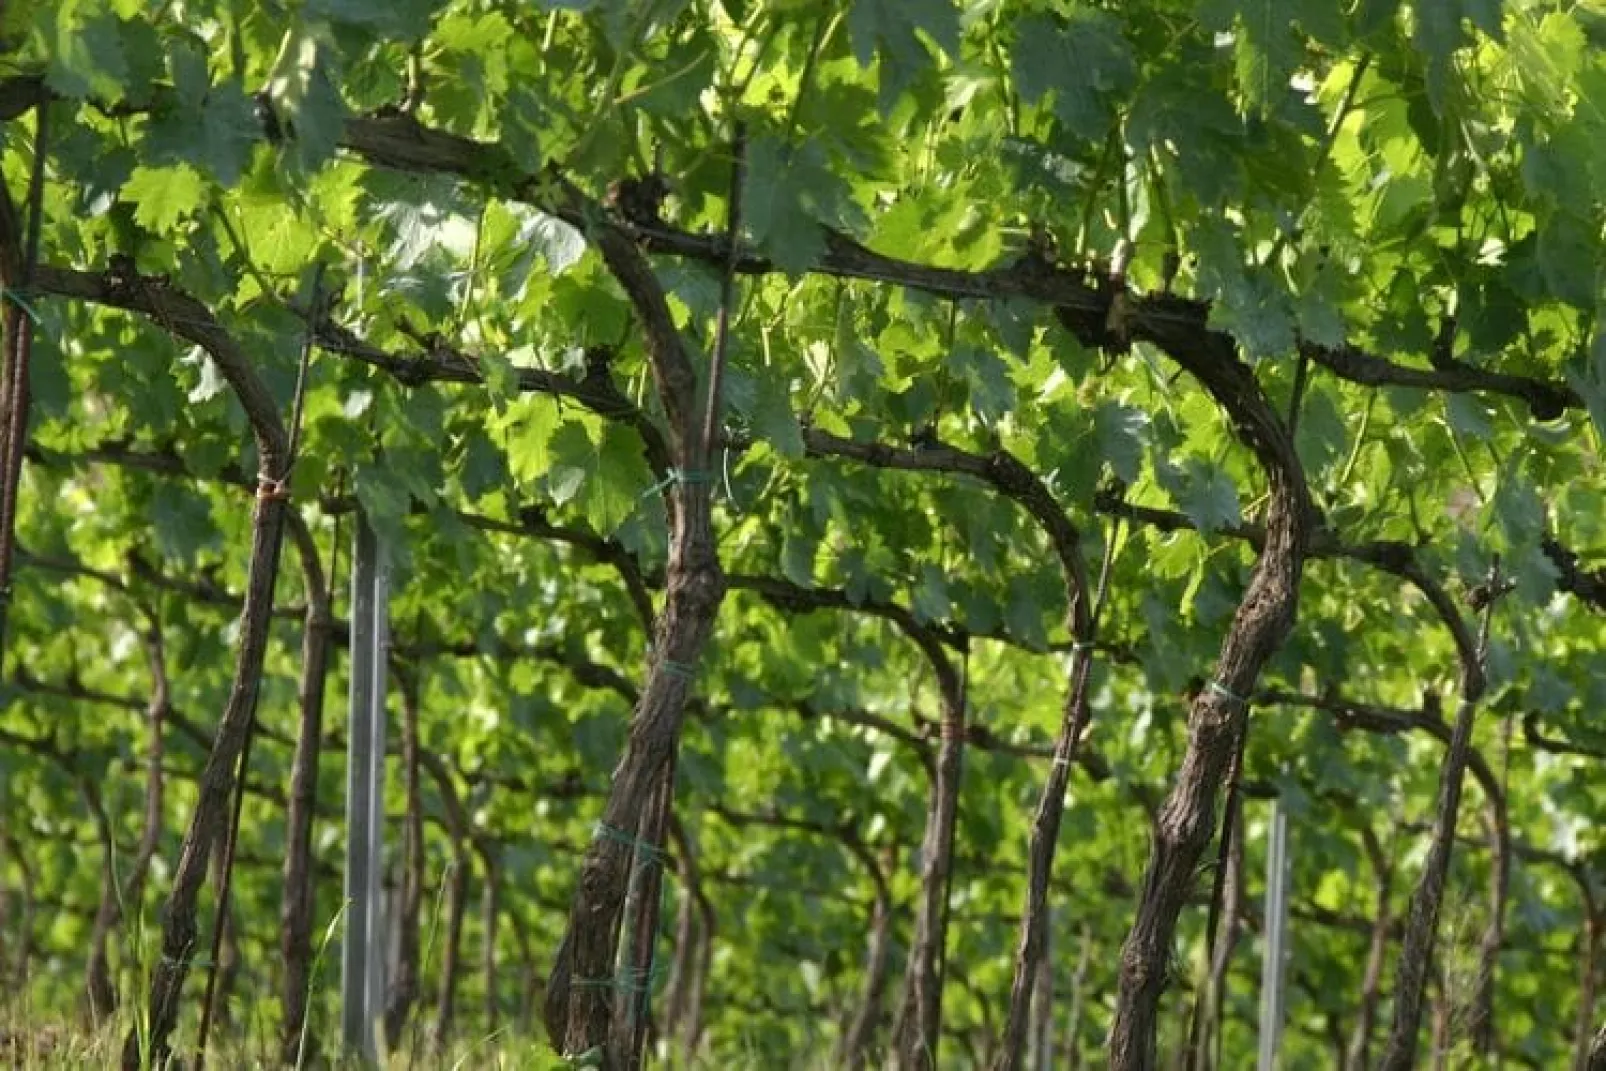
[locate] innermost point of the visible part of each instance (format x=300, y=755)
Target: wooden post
x=362, y=961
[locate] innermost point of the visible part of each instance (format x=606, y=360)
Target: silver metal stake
x=1274, y=952
x=362, y=959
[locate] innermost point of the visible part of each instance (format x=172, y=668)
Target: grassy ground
x=56, y=1046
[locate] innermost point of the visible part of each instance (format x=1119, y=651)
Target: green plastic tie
x=20, y=302
x=683, y=476
x=593, y=983
x=627, y=980
x=1226, y=693
x=682, y=670
x=1078, y=645
x=592, y=1057
x=651, y=853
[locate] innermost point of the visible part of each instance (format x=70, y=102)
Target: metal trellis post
x=362, y=962
x=1274, y=953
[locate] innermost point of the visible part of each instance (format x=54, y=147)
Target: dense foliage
x=1127, y=414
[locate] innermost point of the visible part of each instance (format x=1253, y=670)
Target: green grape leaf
x=776, y=202
x=891, y=29
x=528, y=427
x=85, y=48
x=182, y=523
x=1204, y=492
x=1119, y=430
x=1083, y=60
x=306, y=101
x=163, y=197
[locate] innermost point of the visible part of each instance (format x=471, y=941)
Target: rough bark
x=1588, y=980
x=578, y=1016
x=296, y=919
x=184, y=317
x=100, y=992
x=1260, y=625
x=1597, y=1050
x=1359, y=1052
x=915, y=1045
x=1481, y=1015
x=1040, y=853
x=1073, y=1018
x=1040, y=1039
x=1222, y=931
x=681, y=965
x=853, y=1051
x=230, y=962
x=633, y=1016
x=1422, y=922
x=19, y=260
x=405, y=981
x=684, y=999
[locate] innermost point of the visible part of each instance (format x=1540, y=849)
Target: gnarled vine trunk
x=1219, y=713
x=579, y=1011
x=1422, y=923
x=920, y=1017
x=404, y=983
x=853, y=1050
x=1358, y=1053
x=296, y=921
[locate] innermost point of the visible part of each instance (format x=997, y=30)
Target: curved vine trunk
x=580, y=1018
x=100, y=992
x=1358, y=1057
x=1044, y=840
x=404, y=983
x=1218, y=714
x=99, y=987
x=853, y=1051
x=296, y=922
x=183, y=316
x=1481, y=1021
x=683, y=1004
x=1073, y=1021
x=915, y=1044
x=692, y=1033
x=1422, y=923
x=633, y=1016
x=1201, y=1050
x=1040, y=1040
x=683, y=965
x=19, y=260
